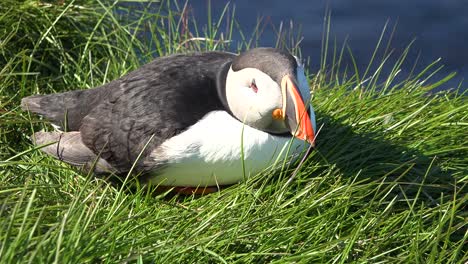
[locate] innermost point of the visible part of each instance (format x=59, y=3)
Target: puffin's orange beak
x=296, y=112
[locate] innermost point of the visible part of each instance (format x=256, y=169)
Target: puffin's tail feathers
x=69, y=148
x=65, y=110
x=51, y=107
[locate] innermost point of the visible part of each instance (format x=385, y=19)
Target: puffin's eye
x=253, y=86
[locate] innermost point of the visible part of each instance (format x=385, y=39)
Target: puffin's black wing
x=157, y=101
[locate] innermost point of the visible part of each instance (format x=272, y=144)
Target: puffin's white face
x=252, y=96
x=257, y=100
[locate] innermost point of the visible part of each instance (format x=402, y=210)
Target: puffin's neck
x=221, y=85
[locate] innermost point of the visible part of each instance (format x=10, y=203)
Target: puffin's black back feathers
x=157, y=102
x=162, y=98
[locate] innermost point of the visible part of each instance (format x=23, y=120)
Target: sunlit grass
x=386, y=184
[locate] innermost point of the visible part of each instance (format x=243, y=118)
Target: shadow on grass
x=374, y=158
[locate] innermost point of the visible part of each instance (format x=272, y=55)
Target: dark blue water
x=439, y=28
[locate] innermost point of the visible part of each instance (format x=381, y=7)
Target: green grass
x=386, y=184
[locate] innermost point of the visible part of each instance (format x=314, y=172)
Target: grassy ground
x=386, y=184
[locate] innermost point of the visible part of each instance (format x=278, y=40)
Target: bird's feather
x=68, y=147
x=158, y=101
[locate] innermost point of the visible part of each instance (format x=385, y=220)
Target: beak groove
x=296, y=111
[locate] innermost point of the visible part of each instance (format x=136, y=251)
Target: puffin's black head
x=274, y=62
x=267, y=89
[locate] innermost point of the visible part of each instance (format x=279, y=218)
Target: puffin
x=196, y=120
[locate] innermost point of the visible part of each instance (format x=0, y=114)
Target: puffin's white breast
x=210, y=152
